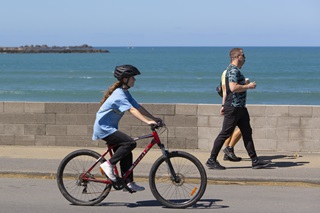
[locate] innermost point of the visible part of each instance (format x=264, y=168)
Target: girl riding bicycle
x=116, y=101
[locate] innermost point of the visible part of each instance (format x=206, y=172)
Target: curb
x=217, y=180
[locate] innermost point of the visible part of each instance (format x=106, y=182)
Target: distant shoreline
x=54, y=49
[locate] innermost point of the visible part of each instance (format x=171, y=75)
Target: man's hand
x=252, y=85
x=222, y=111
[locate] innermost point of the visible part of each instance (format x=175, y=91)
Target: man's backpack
x=219, y=89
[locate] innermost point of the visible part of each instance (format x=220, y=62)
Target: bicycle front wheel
x=73, y=186
x=186, y=188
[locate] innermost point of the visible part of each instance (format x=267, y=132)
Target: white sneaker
x=134, y=187
x=108, y=170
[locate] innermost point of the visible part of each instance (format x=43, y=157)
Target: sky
x=160, y=23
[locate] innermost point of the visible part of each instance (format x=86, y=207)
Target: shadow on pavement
x=202, y=204
x=284, y=163
x=275, y=163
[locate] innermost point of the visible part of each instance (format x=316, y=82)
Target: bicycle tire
x=69, y=181
x=187, y=191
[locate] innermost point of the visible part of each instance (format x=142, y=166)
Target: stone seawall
x=190, y=126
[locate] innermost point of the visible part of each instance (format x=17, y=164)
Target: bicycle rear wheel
x=186, y=189
x=71, y=184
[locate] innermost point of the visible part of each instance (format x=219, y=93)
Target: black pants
x=235, y=116
x=122, y=152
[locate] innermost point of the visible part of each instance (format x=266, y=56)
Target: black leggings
x=122, y=152
x=235, y=116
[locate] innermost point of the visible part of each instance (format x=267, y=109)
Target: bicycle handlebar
x=158, y=125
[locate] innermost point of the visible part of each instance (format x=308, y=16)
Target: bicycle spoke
x=183, y=190
x=74, y=180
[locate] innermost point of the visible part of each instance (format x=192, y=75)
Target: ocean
x=284, y=75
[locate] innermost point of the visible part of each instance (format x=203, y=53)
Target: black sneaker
x=226, y=157
x=230, y=153
x=214, y=165
x=258, y=163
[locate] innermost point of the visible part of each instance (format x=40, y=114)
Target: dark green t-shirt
x=235, y=99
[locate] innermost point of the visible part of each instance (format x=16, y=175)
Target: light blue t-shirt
x=110, y=113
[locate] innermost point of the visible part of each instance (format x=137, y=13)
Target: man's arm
x=235, y=87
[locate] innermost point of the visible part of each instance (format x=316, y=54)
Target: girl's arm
x=145, y=112
x=136, y=113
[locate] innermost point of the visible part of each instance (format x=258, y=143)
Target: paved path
x=286, y=167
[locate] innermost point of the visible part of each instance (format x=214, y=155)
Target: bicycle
x=177, y=179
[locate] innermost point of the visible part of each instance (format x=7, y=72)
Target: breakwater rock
x=54, y=49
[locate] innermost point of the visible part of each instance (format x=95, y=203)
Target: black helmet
x=125, y=71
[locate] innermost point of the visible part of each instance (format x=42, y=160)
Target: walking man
x=236, y=113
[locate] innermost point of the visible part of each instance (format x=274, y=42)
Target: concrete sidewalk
x=285, y=167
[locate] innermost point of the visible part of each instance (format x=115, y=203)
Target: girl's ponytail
x=110, y=91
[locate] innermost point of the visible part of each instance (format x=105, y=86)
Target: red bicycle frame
x=155, y=140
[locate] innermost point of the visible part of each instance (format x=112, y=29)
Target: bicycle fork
x=173, y=176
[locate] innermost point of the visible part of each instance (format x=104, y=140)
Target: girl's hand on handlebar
x=157, y=123
x=158, y=120
x=152, y=123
